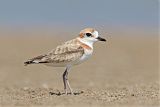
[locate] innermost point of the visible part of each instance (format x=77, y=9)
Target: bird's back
x=66, y=53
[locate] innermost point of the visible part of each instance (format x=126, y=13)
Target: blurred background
x=71, y=16
x=32, y=27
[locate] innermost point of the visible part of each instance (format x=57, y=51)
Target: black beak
x=101, y=39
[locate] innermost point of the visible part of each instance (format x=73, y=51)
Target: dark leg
x=66, y=82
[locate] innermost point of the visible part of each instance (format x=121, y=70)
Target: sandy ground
x=121, y=72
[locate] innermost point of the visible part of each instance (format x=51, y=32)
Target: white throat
x=89, y=43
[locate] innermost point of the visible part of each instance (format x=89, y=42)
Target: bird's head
x=90, y=35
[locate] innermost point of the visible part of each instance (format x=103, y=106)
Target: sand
x=121, y=72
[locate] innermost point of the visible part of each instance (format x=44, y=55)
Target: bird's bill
x=101, y=39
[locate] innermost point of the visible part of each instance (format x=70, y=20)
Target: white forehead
x=95, y=33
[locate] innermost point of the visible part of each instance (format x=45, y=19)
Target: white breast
x=86, y=55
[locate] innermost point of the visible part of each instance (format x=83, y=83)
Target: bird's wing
x=67, y=52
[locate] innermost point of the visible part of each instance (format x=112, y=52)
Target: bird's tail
x=35, y=60
x=29, y=62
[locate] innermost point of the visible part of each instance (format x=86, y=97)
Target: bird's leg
x=71, y=91
x=64, y=80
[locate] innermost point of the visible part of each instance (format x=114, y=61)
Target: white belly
x=83, y=58
x=86, y=56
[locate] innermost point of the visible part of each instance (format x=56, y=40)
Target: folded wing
x=67, y=52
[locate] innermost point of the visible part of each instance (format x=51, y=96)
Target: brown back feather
x=69, y=51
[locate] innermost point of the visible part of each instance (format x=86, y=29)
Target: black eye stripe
x=88, y=34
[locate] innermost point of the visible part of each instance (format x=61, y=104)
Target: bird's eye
x=88, y=34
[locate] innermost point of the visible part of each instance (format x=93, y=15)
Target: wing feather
x=67, y=52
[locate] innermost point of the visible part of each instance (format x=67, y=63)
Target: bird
x=70, y=53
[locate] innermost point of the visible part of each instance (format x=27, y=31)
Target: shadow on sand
x=60, y=94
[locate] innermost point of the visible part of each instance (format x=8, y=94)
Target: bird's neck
x=88, y=43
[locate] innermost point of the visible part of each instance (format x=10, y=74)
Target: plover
x=70, y=53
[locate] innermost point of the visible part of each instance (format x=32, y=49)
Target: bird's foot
x=66, y=93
